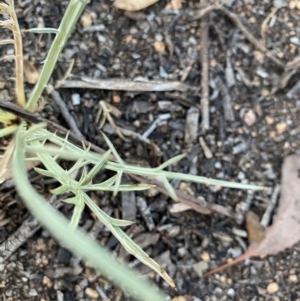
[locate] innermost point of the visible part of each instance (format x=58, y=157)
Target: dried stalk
x=12, y=24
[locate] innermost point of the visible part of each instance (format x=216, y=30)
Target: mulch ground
x=254, y=123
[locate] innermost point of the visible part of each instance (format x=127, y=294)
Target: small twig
x=191, y=125
x=161, y=118
x=235, y=19
x=205, y=70
x=264, y=24
x=109, y=129
x=187, y=199
x=182, y=100
x=119, y=84
x=168, y=38
x=205, y=148
x=265, y=221
x=65, y=112
x=227, y=107
x=203, y=12
x=146, y=213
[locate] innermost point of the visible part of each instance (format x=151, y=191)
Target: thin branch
x=65, y=112
x=205, y=69
x=118, y=84
x=235, y=19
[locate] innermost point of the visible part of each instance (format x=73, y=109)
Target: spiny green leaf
x=170, y=162
x=97, y=167
x=169, y=188
x=60, y=190
x=114, y=151
x=118, y=182
x=128, y=243
x=77, y=213
x=44, y=172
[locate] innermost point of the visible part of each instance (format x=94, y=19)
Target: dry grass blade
x=7, y=41
x=11, y=23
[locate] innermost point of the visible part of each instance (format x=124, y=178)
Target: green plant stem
x=77, y=241
x=67, y=24
x=156, y=173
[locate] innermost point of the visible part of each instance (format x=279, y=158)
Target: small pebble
x=235, y=252
x=159, y=46
x=101, y=38
x=75, y=99
x=60, y=296
x=159, y=37
x=218, y=165
x=181, y=251
x=262, y=73
x=91, y=293
x=116, y=66
x=231, y=293
x=33, y=292
x=269, y=120
x=86, y=19
x=205, y=256
x=218, y=291
x=200, y=267
x=239, y=148
x=281, y=127
x=280, y=3
x=249, y=118
x=192, y=40
x=295, y=40
x=241, y=176
x=133, y=30
x=293, y=278
x=272, y=288
x=162, y=72
x=136, y=56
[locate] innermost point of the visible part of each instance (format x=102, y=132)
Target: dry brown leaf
x=133, y=5
x=285, y=230
x=31, y=73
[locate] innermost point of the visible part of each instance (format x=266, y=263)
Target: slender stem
x=154, y=173
x=77, y=240
x=18, y=58
x=67, y=24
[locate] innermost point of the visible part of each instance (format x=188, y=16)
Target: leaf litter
x=285, y=229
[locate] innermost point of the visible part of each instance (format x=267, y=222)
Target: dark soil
x=186, y=243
